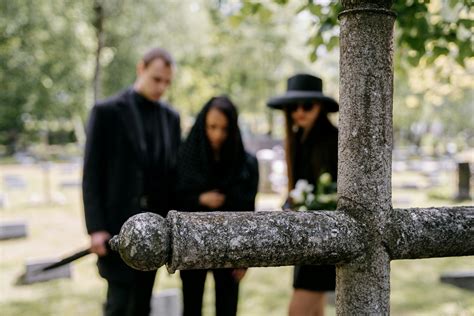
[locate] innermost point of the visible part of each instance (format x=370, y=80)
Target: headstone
x=257, y=142
x=462, y=279
x=69, y=168
x=70, y=184
x=166, y=303
x=401, y=200
x=35, y=274
x=265, y=158
x=433, y=179
x=399, y=166
x=13, y=181
x=278, y=176
x=3, y=201
x=13, y=230
x=428, y=166
x=407, y=185
x=24, y=158
x=464, y=181
x=414, y=165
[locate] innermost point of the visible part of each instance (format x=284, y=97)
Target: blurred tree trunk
x=99, y=30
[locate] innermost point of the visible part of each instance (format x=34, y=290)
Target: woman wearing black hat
x=215, y=173
x=311, y=150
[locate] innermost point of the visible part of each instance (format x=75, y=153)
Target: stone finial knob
x=143, y=242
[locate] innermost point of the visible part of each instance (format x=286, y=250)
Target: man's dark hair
x=158, y=53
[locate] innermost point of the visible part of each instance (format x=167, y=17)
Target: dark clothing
x=240, y=193
x=236, y=176
x=149, y=112
x=130, y=298
x=129, y=167
x=314, y=156
x=226, y=291
x=320, y=278
x=116, y=158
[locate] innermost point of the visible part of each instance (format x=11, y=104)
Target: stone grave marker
x=13, y=181
x=166, y=303
x=464, y=182
x=34, y=273
x=461, y=279
x=13, y=230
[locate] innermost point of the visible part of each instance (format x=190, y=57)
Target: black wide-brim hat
x=303, y=88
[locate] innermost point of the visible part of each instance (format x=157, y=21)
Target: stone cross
x=363, y=235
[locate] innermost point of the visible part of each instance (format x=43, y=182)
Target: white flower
x=309, y=188
x=310, y=198
x=297, y=196
x=301, y=185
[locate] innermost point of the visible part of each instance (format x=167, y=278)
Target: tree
x=426, y=30
x=432, y=105
x=43, y=74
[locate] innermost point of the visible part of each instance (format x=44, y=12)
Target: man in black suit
x=129, y=167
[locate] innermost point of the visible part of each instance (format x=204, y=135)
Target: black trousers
x=320, y=278
x=131, y=298
x=227, y=291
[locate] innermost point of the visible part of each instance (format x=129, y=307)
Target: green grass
x=56, y=230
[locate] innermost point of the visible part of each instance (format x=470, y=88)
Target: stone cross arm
x=246, y=239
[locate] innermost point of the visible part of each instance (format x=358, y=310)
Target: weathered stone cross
x=363, y=235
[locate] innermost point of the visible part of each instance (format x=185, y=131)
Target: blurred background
x=59, y=56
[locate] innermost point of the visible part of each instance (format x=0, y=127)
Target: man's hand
x=212, y=199
x=98, y=242
x=239, y=274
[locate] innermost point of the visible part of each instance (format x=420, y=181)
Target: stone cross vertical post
x=362, y=236
x=365, y=147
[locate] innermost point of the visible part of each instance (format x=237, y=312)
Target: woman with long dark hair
x=215, y=173
x=311, y=151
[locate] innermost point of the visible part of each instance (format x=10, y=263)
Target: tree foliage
x=247, y=49
x=42, y=57
x=425, y=29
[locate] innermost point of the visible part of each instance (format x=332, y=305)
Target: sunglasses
x=306, y=106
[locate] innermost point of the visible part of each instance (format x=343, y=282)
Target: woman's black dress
x=236, y=176
x=312, y=157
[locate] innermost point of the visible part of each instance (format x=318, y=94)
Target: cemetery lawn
x=56, y=228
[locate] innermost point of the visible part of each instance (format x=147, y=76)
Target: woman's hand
x=212, y=199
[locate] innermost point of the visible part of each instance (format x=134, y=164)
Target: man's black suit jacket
x=114, y=159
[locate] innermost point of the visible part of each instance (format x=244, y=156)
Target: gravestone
x=13, y=230
x=13, y=181
x=3, y=200
x=69, y=168
x=461, y=279
x=464, y=182
x=265, y=159
x=166, y=303
x=66, y=184
x=34, y=273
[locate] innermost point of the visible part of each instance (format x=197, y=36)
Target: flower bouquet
x=304, y=197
